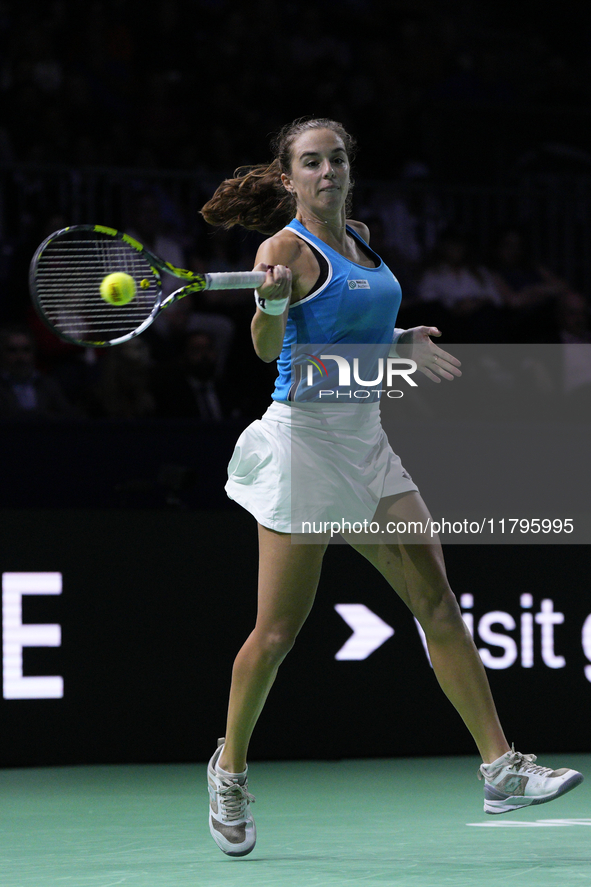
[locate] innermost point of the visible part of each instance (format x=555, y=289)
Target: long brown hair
x=255, y=197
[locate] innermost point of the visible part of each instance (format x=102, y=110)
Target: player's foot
x=515, y=780
x=230, y=820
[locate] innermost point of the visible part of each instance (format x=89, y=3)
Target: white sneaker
x=515, y=780
x=230, y=821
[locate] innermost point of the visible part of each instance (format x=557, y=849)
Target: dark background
x=467, y=87
x=479, y=108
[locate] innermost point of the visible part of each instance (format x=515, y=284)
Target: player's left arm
x=416, y=343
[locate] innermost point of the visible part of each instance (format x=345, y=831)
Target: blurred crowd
x=184, y=84
x=200, y=86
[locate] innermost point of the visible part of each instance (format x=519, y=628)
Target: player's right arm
x=279, y=256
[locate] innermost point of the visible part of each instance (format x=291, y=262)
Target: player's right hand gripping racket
x=69, y=267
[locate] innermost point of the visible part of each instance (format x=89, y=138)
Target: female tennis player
x=311, y=258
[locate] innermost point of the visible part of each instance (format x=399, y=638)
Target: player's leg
x=417, y=573
x=288, y=579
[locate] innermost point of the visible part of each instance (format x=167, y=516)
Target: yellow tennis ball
x=118, y=288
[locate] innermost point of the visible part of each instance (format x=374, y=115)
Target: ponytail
x=255, y=199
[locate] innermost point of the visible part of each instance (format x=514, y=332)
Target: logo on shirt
x=358, y=284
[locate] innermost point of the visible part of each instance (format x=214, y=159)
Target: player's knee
x=439, y=614
x=276, y=642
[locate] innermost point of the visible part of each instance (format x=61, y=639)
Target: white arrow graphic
x=369, y=631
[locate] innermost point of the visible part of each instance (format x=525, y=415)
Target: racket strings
x=68, y=278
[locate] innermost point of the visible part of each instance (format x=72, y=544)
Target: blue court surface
x=408, y=822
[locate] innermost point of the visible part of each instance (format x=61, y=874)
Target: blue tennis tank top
x=351, y=305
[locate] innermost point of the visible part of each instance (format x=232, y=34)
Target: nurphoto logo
x=394, y=367
x=349, y=371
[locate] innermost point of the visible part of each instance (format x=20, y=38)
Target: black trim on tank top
x=364, y=247
x=366, y=250
x=293, y=388
x=324, y=270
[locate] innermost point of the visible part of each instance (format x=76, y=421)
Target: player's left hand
x=431, y=360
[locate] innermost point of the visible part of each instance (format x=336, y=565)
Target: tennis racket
x=69, y=267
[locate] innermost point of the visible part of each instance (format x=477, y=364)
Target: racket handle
x=234, y=280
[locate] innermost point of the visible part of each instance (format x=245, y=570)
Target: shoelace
x=517, y=761
x=234, y=799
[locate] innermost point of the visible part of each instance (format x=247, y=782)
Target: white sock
x=497, y=762
x=237, y=776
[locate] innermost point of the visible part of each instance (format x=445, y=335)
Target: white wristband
x=271, y=306
x=395, y=338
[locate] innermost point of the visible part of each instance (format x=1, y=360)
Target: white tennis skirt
x=305, y=464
